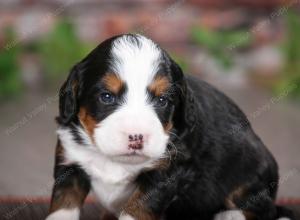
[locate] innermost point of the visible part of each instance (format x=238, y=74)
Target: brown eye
x=107, y=98
x=161, y=101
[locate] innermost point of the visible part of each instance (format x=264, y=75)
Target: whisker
x=175, y=135
x=176, y=149
x=170, y=155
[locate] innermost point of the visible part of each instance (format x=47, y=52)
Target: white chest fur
x=112, y=196
x=112, y=182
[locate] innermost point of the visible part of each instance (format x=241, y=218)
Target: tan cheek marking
x=87, y=121
x=159, y=85
x=135, y=207
x=113, y=83
x=168, y=127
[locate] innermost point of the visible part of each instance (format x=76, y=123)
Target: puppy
x=153, y=143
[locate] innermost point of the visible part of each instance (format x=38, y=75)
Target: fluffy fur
x=154, y=143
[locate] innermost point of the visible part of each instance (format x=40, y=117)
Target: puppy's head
x=124, y=95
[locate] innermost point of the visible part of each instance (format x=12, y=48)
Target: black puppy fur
x=219, y=162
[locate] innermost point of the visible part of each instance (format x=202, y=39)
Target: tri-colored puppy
x=153, y=143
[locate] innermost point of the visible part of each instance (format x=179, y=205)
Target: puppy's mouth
x=130, y=158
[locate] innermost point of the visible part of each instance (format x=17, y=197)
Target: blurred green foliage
x=60, y=50
x=10, y=77
x=220, y=43
x=291, y=72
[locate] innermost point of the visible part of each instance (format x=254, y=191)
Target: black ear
x=190, y=109
x=177, y=72
x=68, y=97
x=185, y=117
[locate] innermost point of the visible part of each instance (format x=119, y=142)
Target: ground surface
x=18, y=210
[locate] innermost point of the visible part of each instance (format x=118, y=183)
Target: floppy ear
x=68, y=97
x=190, y=109
x=185, y=117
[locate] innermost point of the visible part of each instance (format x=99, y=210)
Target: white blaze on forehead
x=136, y=63
x=136, y=60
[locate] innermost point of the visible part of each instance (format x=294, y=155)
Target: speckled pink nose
x=136, y=141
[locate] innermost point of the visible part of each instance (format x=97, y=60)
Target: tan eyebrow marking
x=113, y=83
x=159, y=85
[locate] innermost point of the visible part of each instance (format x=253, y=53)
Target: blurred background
x=249, y=49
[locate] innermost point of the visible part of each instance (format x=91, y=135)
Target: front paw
x=230, y=215
x=126, y=217
x=64, y=214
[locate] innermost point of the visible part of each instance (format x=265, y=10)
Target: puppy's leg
x=69, y=192
x=246, y=204
x=137, y=209
x=230, y=215
x=66, y=214
x=107, y=216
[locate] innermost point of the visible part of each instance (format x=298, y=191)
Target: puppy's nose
x=135, y=137
x=136, y=141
